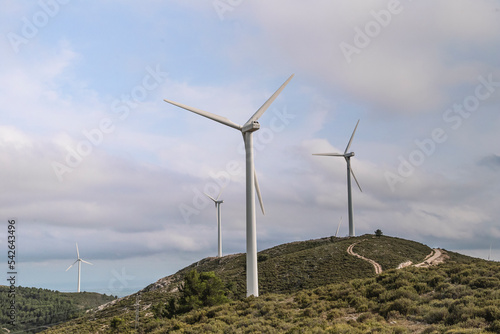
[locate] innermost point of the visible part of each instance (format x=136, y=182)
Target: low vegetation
x=37, y=309
x=461, y=295
x=198, y=291
x=450, y=298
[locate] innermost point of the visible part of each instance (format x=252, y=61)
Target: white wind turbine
x=217, y=206
x=340, y=222
x=79, y=260
x=252, y=185
x=347, y=157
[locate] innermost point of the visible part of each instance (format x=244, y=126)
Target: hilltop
x=316, y=284
x=307, y=264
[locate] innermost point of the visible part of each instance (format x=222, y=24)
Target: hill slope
x=284, y=269
x=37, y=309
x=307, y=264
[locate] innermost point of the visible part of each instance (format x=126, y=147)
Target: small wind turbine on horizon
x=347, y=157
x=217, y=206
x=79, y=260
x=340, y=222
x=252, y=184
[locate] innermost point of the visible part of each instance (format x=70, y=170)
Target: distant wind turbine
x=217, y=206
x=252, y=184
x=340, y=222
x=79, y=260
x=347, y=157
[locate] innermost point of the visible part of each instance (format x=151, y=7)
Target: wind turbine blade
x=220, y=192
x=329, y=154
x=266, y=104
x=352, y=136
x=207, y=114
x=213, y=199
x=259, y=196
x=352, y=173
x=77, y=252
x=72, y=265
x=87, y=262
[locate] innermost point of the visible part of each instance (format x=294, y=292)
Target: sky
x=91, y=154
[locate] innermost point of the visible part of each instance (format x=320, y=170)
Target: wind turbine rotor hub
x=253, y=126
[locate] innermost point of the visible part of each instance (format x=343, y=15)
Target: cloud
x=492, y=161
x=405, y=69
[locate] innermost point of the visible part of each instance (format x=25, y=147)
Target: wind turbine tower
x=347, y=156
x=252, y=184
x=79, y=260
x=217, y=206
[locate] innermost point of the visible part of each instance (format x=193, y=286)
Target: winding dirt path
x=437, y=256
x=378, y=267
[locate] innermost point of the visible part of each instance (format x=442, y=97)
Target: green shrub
x=117, y=323
x=303, y=299
x=374, y=290
x=495, y=326
x=310, y=312
x=334, y=314
x=262, y=257
x=421, y=287
x=491, y=313
x=403, y=306
x=436, y=315
x=434, y=280
x=365, y=317
x=200, y=290
x=400, y=330
x=485, y=283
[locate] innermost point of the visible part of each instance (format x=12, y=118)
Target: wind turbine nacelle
x=254, y=126
x=348, y=155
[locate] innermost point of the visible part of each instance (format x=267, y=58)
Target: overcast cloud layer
x=90, y=153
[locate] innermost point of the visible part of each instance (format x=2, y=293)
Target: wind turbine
x=79, y=260
x=340, y=222
x=217, y=206
x=347, y=157
x=252, y=185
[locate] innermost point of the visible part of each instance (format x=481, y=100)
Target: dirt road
x=378, y=267
x=435, y=257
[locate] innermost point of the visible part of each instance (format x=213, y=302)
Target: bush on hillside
x=199, y=290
